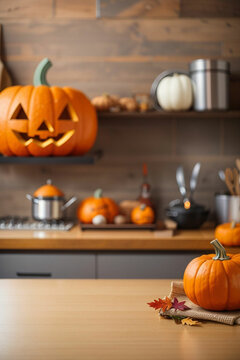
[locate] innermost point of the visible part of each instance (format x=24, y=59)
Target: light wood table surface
x=101, y=319
x=75, y=239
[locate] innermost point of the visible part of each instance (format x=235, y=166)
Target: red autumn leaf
x=163, y=304
x=156, y=304
x=167, y=304
x=179, y=305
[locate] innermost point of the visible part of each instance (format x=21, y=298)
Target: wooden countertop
x=101, y=319
x=76, y=239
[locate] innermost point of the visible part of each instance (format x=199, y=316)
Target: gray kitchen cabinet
x=47, y=265
x=102, y=265
x=148, y=265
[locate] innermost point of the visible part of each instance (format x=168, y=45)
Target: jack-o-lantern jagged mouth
x=58, y=140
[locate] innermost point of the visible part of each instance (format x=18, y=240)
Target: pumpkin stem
x=220, y=251
x=233, y=224
x=98, y=193
x=39, y=77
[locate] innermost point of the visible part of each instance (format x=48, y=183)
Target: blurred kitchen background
x=120, y=47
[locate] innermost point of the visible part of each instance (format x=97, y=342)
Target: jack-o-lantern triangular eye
x=65, y=115
x=68, y=113
x=19, y=113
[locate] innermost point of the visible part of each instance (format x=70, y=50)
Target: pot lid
x=48, y=190
x=194, y=208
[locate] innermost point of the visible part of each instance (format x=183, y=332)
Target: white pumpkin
x=175, y=93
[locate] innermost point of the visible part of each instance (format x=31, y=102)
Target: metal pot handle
x=31, y=198
x=69, y=202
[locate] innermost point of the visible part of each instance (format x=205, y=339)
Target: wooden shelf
x=88, y=159
x=171, y=115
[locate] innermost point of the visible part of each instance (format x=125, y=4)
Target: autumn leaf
x=179, y=305
x=167, y=304
x=163, y=304
x=156, y=304
x=189, y=321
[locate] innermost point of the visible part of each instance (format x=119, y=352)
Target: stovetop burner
x=24, y=223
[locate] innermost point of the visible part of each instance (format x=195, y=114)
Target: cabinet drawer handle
x=33, y=274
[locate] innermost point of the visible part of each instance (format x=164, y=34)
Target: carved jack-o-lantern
x=41, y=120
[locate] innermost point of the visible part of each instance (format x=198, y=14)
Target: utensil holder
x=210, y=83
x=227, y=208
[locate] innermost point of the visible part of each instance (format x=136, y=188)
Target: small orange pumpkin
x=97, y=205
x=48, y=190
x=228, y=234
x=142, y=214
x=41, y=120
x=213, y=281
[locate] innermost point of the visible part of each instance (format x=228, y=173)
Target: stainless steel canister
x=210, y=80
x=227, y=208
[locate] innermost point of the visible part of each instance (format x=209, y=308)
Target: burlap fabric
x=196, y=312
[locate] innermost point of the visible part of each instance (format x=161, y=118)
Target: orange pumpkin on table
x=228, y=234
x=142, y=214
x=41, y=120
x=213, y=281
x=97, y=205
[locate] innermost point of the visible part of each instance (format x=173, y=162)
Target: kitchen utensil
x=229, y=180
x=238, y=164
x=181, y=182
x=210, y=84
x=193, y=179
x=156, y=83
x=236, y=181
x=49, y=204
x=227, y=208
x=191, y=218
x=221, y=175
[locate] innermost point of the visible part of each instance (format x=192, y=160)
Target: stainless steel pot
x=227, y=208
x=49, y=208
x=210, y=80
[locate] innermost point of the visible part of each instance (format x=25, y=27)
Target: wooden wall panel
x=75, y=9
x=110, y=63
x=119, y=38
x=210, y=8
x=231, y=49
x=119, y=175
x=169, y=8
x=26, y=9
x=136, y=8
